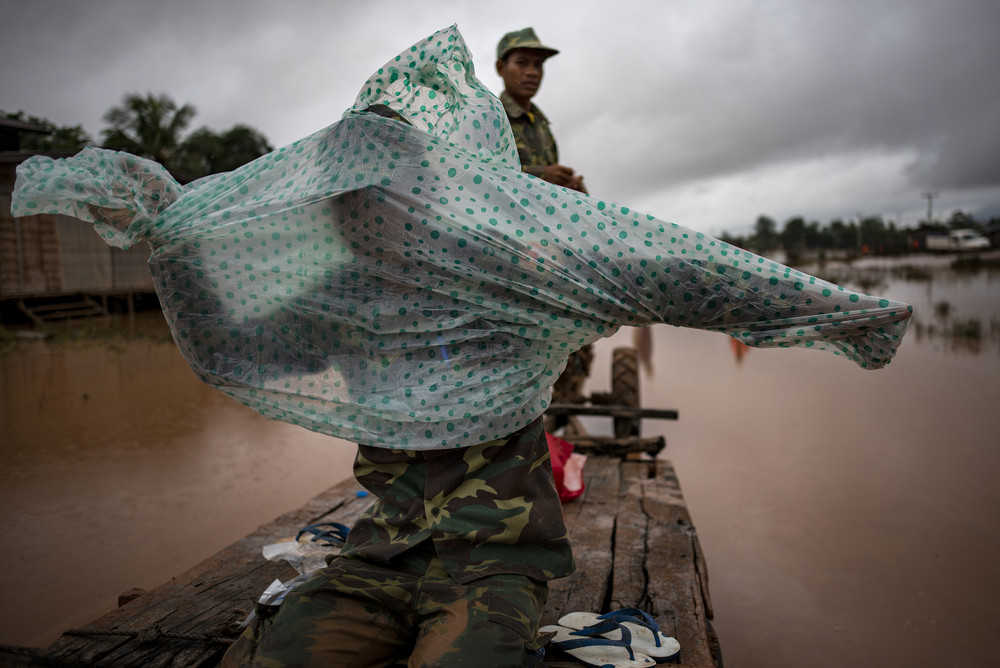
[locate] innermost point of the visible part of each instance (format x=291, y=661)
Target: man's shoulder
x=514, y=110
x=538, y=113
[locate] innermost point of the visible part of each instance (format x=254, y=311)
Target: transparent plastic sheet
x=404, y=285
x=304, y=557
x=307, y=552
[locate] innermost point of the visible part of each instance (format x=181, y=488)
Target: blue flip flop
x=331, y=533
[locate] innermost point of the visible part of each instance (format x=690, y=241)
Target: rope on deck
x=152, y=635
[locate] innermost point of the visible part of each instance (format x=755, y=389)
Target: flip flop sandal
x=596, y=652
x=644, y=631
x=331, y=533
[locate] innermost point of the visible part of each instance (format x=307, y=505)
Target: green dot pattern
x=405, y=285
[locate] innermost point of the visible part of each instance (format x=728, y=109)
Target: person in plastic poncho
x=405, y=286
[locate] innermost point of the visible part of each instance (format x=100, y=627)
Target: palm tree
x=149, y=126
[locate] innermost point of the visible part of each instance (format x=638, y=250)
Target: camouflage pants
x=411, y=613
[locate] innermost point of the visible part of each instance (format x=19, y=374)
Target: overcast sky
x=702, y=112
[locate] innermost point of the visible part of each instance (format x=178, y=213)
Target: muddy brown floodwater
x=121, y=469
x=848, y=517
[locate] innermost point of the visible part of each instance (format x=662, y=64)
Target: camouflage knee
x=492, y=623
x=348, y=612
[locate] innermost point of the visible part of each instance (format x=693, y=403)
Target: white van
x=958, y=240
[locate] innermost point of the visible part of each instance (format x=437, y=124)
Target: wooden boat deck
x=633, y=540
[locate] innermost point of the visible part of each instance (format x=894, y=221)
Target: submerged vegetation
x=975, y=263
x=946, y=319
x=967, y=334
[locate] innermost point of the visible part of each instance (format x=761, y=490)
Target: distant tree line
x=867, y=235
x=153, y=126
x=65, y=138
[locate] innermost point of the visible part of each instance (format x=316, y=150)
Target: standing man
x=520, y=58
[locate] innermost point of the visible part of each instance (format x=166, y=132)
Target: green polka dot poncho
x=405, y=285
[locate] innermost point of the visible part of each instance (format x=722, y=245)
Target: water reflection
x=971, y=336
x=642, y=341
x=956, y=299
x=739, y=349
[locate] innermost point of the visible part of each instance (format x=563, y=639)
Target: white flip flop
x=596, y=652
x=646, y=637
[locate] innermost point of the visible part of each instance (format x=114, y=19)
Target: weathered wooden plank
x=609, y=410
x=12, y=656
x=628, y=586
x=667, y=483
x=675, y=595
x=618, y=447
x=591, y=522
x=601, y=476
x=656, y=561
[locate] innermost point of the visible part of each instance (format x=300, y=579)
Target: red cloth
x=569, y=486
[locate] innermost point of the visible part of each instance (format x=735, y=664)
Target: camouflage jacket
x=535, y=144
x=489, y=509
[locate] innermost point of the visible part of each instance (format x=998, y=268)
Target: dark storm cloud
x=773, y=82
x=235, y=62
x=646, y=96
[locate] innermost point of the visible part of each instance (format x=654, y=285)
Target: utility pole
x=930, y=206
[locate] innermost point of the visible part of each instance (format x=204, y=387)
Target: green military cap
x=522, y=39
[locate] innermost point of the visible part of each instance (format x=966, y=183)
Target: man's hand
x=563, y=176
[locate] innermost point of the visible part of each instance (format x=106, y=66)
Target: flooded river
x=121, y=469
x=848, y=517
